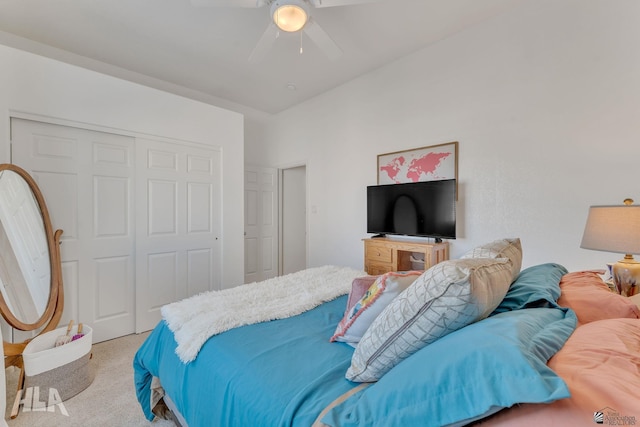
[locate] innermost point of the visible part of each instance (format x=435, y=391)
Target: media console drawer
x=379, y=253
x=382, y=255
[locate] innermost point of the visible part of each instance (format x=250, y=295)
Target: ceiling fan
x=290, y=16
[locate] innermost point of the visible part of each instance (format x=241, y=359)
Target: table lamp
x=617, y=229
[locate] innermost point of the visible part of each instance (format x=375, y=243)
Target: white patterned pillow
x=448, y=296
x=502, y=248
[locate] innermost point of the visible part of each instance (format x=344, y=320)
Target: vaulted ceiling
x=202, y=52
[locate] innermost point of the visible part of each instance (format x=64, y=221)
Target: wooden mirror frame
x=55, y=305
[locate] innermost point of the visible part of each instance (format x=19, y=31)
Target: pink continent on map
x=393, y=167
x=427, y=164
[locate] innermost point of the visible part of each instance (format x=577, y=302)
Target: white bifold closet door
x=140, y=220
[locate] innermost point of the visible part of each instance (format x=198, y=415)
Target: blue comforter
x=278, y=373
x=285, y=372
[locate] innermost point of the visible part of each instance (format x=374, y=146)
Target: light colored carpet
x=109, y=401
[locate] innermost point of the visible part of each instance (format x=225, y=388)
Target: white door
x=260, y=223
x=86, y=178
x=178, y=226
x=293, y=219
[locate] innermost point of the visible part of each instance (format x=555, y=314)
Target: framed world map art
x=432, y=163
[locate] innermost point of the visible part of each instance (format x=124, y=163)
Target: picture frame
x=431, y=163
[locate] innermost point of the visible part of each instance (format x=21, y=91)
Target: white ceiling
x=202, y=52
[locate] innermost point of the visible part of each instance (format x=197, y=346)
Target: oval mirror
x=28, y=252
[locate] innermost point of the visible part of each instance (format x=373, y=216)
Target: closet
x=141, y=218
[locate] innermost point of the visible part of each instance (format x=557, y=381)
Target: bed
x=549, y=347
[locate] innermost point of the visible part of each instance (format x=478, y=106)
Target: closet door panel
x=112, y=239
x=112, y=278
x=178, y=215
x=86, y=178
x=111, y=207
x=162, y=207
x=162, y=274
x=199, y=205
x=199, y=270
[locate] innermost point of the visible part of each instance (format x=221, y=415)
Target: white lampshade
x=289, y=15
x=613, y=229
x=617, y=229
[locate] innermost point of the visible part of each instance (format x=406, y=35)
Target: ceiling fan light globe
x=289, y=17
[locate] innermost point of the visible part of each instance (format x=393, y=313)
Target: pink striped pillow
x=360, y=314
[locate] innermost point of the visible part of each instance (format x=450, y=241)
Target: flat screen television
x=426, y=209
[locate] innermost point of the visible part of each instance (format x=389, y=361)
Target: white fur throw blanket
x=194, y=320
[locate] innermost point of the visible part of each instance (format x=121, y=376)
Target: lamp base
x=626, y=276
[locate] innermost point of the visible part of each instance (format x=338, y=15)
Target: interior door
x=260, y=223
x=178, y=226
x=87, y=180
x=294, y=219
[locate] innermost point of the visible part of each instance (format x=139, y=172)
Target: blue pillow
x=537, y=286
x=468, y=374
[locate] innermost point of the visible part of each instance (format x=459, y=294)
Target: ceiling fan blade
x=228, y=3
x=332, y=3
x=264, y=44
x=322, y=39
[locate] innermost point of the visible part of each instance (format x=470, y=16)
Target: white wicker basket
x=67, y=368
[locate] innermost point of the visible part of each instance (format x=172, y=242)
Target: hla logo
x=32, y=402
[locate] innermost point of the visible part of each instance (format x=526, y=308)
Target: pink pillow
x=591, y=299
x=363, y=312
x=358, y=287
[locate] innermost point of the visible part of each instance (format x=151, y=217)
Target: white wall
x=545, y=102
x=62, y=93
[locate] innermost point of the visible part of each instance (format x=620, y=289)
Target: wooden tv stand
x=382, y=254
